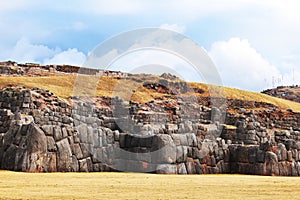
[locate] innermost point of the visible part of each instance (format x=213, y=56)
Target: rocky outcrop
x=40, y=132
x=291, y=93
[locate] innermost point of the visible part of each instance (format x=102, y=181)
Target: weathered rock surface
x=41, y=133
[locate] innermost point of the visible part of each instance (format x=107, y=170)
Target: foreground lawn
x=16, y=185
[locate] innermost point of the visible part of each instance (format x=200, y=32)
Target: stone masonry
x=40, y=132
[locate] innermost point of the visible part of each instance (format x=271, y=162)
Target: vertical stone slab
x=9, y=158
x=51, y=162
x=64, y=156
x=271, y=164
x=37, y=150
x=57, y=133
x=181, y=169
x=190, y=166
x=83, y=133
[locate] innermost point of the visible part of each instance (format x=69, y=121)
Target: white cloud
x=272, y=26
x=173, y=27
x=24, y=51
x=241, y=66
x=290, y=70
x=70, y=56
x=159, y=47
x=155, y=62
x=95, y=61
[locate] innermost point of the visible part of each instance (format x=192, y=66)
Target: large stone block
x=271, y=161
x=172, y=128
x=96, y=139
x=64, y=132
x=77, y=151
x=190, y=166
x=146, y=141
x=109, y=136
x=181, y=154
x=281, y=152
x=51, y=144
x=51, y=162
x=98, y=155
x=82, y=133
x=181, y=169
x=294, y=169
x=166, y=150
x=85, y=150
x=90, y=135
x=36, y=159
x=198, y=166
x=284, y=168
x=57, y=133
x=191, y=139
x=166, y=169
x=9, y=158
x=64, y=156
x=21, y=155
x=260, y=156
x=48, y=130
x=85, y=165
x=133, y=166
x=122, y=140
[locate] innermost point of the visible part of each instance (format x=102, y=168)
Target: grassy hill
x=285, y=92
x=63, y=86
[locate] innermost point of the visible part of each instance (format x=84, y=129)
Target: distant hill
x=291, y=93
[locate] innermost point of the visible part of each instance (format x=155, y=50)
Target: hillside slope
x=63, y=80
x=291, y=93
x=142, y=88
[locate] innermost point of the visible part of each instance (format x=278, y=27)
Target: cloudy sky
x=254, y=44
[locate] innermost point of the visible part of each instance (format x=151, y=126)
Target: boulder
x=166, y=169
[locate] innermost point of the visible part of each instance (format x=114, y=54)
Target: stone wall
x=10, y=68
x=40, y=132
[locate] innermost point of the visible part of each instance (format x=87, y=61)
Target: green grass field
x=17, y=185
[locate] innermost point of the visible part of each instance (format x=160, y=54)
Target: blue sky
x=254, y=44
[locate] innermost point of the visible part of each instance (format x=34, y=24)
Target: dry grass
x=130, y=89
x=16, y=185
x=233, y=93
x=60, y=85
x=250, y=96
